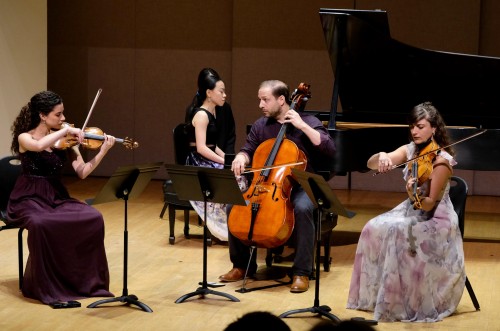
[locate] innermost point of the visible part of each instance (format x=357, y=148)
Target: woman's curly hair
x=29, y=116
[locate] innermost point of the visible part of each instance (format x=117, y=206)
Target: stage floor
x=160, y=273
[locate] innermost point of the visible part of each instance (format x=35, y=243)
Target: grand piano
x=378, y=80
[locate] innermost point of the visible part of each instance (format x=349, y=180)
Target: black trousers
x=303, y=210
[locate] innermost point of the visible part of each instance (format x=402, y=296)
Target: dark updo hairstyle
x=427, y=111
x=207, y=78
x=29, y=117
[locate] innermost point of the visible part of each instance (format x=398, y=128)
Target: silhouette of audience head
x=347, y=325
x=258, y=321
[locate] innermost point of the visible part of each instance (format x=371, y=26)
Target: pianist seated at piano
x=207, y=128
x=409, y=263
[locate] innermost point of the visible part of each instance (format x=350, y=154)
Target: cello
x=268, y=220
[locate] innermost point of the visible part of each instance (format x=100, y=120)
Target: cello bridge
x=261, y=189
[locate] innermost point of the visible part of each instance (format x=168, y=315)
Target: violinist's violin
x=423, y=162
x=93, y=139
x=422, y=167
x=268, y=219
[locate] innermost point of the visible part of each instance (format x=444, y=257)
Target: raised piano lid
x=380, y=79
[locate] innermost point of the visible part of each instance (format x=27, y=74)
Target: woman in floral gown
x=409, y=263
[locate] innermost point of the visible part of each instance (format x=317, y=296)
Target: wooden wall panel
x=165, y=86
x=489, y=43
x=146, y=55
x=277, y=40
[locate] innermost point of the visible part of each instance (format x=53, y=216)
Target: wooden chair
x=458, y=196
x=10, y=168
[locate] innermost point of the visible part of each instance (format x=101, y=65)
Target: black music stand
x=323, y=198
x=205, y=184
x=126, y=183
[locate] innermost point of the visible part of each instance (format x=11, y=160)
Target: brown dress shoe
x=233, y=275
x=300, y=284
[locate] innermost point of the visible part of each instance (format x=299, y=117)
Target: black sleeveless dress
x=67, y=259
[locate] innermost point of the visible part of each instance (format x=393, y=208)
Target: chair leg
x=269, y=257
x=186, y=224
x=165, y=205
x=171, y=223
x=471, y=293
x=20, y=256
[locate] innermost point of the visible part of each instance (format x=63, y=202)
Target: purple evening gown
x=67, y=259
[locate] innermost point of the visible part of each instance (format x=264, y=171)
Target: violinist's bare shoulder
x=28, y=142
x=441, y=161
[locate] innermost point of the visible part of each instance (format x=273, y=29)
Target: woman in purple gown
x=67, y=259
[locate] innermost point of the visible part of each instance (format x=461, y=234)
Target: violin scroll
x=129, y=143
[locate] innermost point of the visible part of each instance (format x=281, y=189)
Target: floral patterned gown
x=216, y=218
x=409, y=264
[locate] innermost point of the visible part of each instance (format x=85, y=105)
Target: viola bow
x=433, y=151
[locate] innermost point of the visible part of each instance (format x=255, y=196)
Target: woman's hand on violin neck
x=410, y=185
x=109, y=141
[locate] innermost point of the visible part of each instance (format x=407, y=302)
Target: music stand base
x=320, y=310
x=251, y=289
x=127, y=299
x=203, y=291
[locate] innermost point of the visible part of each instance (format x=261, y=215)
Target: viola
x=268, y=219
x=422, y=167
x=93, y=139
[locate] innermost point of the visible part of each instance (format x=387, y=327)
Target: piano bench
x=173, y=203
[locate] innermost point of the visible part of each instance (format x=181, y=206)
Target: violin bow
x=249, y=170
x=92, y=108
x=434, y=150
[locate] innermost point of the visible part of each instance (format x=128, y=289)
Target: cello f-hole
x=252, y=193
x=274, y=192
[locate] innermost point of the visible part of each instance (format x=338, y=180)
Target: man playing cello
x=308, y=133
